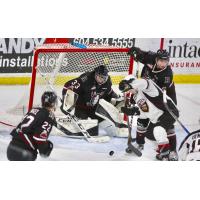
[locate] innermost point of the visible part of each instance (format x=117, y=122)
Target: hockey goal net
x=55, y=64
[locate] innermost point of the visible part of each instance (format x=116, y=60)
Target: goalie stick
x=69, y=133
x=59, y=127
x=87, y=136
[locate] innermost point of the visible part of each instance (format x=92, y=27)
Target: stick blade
x=135, y=150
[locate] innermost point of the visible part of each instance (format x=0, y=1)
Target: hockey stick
x=165, y=98
x=68, y=133
x=172, y=114
x=59, y=127
x=6, y=124
x=88, y=137
x=130, y=147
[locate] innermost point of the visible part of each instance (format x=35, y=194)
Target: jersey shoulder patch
x=84, y=77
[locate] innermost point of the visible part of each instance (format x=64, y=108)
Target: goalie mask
x=101, y=74
x=49, y=99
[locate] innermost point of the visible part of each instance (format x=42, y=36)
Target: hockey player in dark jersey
x=90, y=87
x=153, y=116
x=31, y=135
x=157, y=68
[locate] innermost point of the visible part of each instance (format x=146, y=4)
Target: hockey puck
x=111, y=153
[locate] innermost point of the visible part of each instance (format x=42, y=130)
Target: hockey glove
x=125, y=86
x=134, y=51
x=131, y=111
x=45, y=149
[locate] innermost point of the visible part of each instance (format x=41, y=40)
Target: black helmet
x=101, y=71
x=49, y=99
x=162, y=54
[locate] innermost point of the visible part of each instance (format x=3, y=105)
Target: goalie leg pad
x=112, y=130
x=114, y=124
x=107, y=111
x=91, y=125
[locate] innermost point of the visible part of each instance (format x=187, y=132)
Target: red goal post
x=109, y=56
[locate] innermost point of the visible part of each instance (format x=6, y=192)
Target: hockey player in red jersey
x=153, y=118
x=31, y=135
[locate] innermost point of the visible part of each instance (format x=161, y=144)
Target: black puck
x=111, y=153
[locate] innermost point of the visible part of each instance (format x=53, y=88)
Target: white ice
x=76, y=149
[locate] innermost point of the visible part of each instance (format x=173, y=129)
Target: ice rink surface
x=78, y=149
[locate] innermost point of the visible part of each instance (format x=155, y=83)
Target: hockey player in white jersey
x=153, y=118
x=189, y=149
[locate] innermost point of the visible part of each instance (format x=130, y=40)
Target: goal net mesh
x=54, y=65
